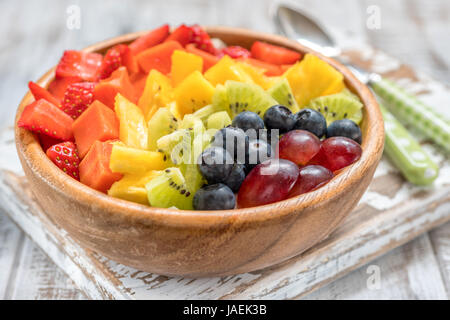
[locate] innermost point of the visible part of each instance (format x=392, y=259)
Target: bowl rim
x=373, y=130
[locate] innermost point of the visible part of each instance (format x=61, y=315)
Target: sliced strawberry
x=183, y=34
x=40, y=93
x=117, y=56
x=44, y=117
x=77, y=98
x=150, y=39
x=47, y=142
x=202, y=40
x=236, y=52
x=274, y=54
x=59, y=86
x=79, y=64
x=65, y=156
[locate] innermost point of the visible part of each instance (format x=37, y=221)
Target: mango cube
x=132, y=125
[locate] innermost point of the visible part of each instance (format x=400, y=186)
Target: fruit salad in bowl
x=173, y=121
x=201, y=134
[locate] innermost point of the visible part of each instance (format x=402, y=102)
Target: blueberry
x=234, y=140
x=279, y=117
x=215, y=164
x=236, y=177
x=214, y=197
x=345, y=128
x=248, y=120
x=312, y=121
x=258, y=151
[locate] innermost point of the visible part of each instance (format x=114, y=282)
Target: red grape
x=337, y=153
x=268, y=182
x=298, y=146
x=310, y=177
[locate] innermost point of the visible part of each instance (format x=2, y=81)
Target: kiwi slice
x=204, y=113
x=220, y=99
x=282, y=93
x=338, y=106
x=162, y=123
x=218, y=120
x=175, y=145
x=169, y=189
x=247, y=97
x=347, y=92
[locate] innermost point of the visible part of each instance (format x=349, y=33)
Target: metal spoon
x=401, y=147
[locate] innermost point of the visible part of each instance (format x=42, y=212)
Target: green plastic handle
x=406, y=153
x=414, y=113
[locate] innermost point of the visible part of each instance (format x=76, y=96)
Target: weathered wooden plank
x=37, y=277
x=407, y=272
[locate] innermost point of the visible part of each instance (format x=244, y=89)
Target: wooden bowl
x=202, y=243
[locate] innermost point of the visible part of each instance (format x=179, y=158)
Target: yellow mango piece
x=132, y=125
x=132, y=187
x=226, y=69
x=193, y=93
x=257, y=75
x=158, y=92
x=136, y=161
x=183, y=64
x=311, y=78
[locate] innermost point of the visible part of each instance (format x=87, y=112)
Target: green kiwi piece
x=220, y=99
x=282, y=93
x=347, y=92
x=338, y=106
x=204, y=113
x=169, y=189
x=247, y=97
x=218, y=120
x=175, y=145
x=162, y=123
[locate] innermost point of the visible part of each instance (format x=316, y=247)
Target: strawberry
x=274, y=54
x=149, y=39
x=43, y=117
x=236, y=52
x=77, y=98
x=183, y=34
x=117, y=56
x=65, y=156
x=202, y=40
x=79, y=64
x=40, y=93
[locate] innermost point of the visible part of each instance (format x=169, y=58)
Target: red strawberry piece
x=59, y=85
x=236, y=52
x=117, y=56
x=40, y=93
x=149, y=39
x=79, y=64
x=47, y=141
x=77, y=98
x=202, y=40
x=274, y=54
x=183, y=34
x=65, y=156
x=43, y=117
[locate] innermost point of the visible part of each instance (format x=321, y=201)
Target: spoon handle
x=406, y=153
x=413, y=112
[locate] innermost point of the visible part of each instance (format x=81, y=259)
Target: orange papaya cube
x=138, y=81
x=119, y=82
x=270, y=69
x=158, y=57
x=96, y=123
x=94, y=168
x=208, y=59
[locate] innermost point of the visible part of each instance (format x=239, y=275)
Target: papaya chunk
x=158, y=57
x=119, y=82
x=97, y=123
x=94, y=168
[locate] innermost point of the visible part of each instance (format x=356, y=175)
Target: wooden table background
x=33, y=35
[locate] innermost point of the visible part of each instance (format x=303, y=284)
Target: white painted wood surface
x=32, y=42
